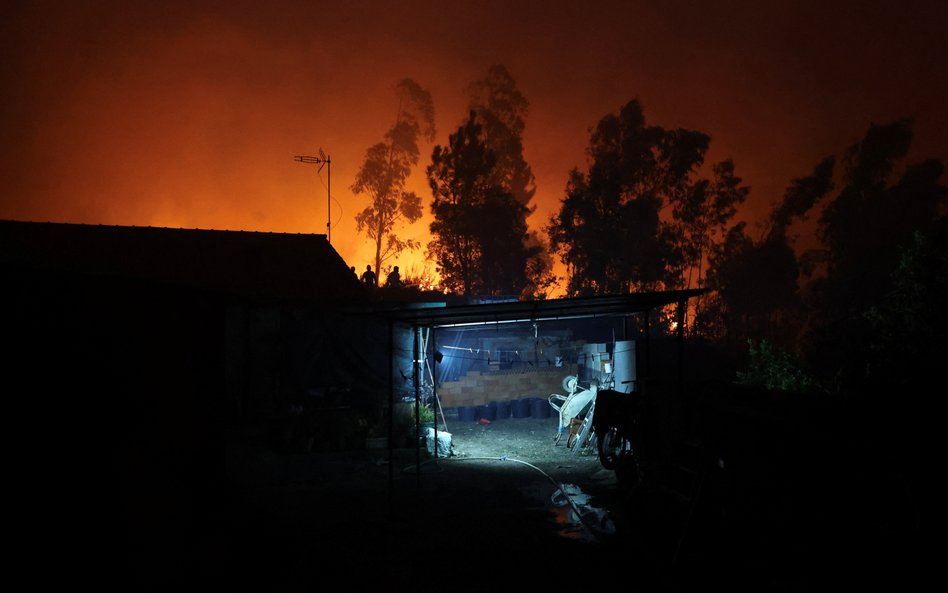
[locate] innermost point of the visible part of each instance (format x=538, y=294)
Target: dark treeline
x=648, y=213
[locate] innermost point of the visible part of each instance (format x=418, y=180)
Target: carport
x=634, y=312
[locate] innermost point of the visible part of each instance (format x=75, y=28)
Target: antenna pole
x=328, y=200
x=322, y=160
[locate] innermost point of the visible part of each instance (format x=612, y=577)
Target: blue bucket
x=521, y=408
x=502, y=409
x=540, y=408
x=467, y=413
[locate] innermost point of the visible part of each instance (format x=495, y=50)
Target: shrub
x=773, y=368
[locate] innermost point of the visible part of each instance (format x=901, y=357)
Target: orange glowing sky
x=188, y=114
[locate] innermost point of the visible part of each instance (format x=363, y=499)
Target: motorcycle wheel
x=612, y=448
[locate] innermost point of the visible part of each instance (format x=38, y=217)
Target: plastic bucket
x=521, y=408
x=540, y=408
x=488, y=412
x=467, y=413
x=502, y=409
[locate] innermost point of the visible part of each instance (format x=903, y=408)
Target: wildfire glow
x=189, y=115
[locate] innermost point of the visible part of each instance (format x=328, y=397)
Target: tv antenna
x=322, y=160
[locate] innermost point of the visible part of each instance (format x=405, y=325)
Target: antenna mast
x=322, y=159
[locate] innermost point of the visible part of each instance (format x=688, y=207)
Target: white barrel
x=624, y=365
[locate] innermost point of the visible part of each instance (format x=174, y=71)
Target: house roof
x=521, y=311
x=242, y=263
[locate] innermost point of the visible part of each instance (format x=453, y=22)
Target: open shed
x=466, y=357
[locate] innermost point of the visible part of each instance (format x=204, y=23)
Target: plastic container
x=540, y=408
x=488, y=412
x=467, y=413
x=502, y=409
x=521, y=408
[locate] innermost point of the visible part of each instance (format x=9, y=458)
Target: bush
x=773, y=368
x=426, y=414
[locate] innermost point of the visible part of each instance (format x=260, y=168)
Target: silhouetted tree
x=800, y=197
x=479, y=228
x=756, y=283
x=385, y=171
x=702, y=215
x=539, y=272
x=868, y=229
x=877, y=334
x=867, y=220
x=909, y=322
x=756, y=289
x=501, y=110
x=608, y=230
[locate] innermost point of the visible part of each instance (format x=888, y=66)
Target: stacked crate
x=477, y=388
x=468, y=391
x=596, y=362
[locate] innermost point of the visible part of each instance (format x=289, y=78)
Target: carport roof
x=436, y=316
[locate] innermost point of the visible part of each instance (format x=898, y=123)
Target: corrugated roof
x=249, y=264
x=569, y=308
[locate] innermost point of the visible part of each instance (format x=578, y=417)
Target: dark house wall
x=114, y=404
x=133, y=358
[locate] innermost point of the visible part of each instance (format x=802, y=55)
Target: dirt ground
x=490, y=511
x=489, y=516
x=529, y=439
